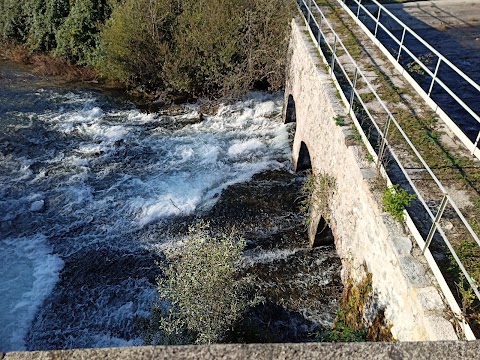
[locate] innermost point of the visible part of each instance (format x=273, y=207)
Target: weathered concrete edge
x=405, y=350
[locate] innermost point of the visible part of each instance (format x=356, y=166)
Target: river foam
x=84, y=179
x=29, y=273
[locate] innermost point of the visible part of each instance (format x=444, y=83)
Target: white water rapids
x=85, y=180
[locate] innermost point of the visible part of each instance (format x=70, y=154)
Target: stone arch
x=303, y=162
x=319, y=232
x=290, y=112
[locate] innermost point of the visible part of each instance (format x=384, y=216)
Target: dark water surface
x=94, y=191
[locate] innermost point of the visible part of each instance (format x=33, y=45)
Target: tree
x=207, y=46
x=43, y=18
x=264, y=43
x=135, y=42
x=77, y=36
x=12, y=20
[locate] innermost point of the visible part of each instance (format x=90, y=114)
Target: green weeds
x=339, y=120
x=316, y=196
x=395, y=200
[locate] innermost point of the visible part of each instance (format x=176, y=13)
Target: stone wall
x=367, y=239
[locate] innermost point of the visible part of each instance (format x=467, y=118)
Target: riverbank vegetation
x=191, y=47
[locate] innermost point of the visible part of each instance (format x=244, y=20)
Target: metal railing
x=442, y=66
x=352, y=82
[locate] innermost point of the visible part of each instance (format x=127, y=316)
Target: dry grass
x=350, y=316
x=46, y=64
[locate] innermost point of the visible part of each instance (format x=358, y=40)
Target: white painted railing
x=344, y=69
x=376, y=17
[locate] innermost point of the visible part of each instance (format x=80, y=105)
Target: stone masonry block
x=414, y=272
x=402, y=245
x=440, y=329
x=430, y=299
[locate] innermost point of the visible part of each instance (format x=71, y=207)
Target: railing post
x=384, y=142
x=401, y=44
x=334, y=52
x=354, y=84
x=434, y=76
x=436, y=222
x=319, y=35
x=476, y=143
x=359, y=3
x=378, y=20
x=309, y=6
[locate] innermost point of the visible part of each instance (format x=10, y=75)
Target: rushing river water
x=95, y=190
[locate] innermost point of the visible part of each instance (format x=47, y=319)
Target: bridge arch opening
x=290, y=113
x=303, y=161
x=320, y=233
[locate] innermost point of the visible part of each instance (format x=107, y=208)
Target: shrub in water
x=200, y=294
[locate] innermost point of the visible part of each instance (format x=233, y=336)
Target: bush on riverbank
x=68, y=29
x=135, y=43
x=194, y=47
x=199, y=47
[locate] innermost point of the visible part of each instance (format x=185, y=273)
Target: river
x=94, y=190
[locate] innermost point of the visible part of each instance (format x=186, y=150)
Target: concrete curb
x=406, y=350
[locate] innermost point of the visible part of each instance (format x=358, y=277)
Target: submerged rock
x=37, y=205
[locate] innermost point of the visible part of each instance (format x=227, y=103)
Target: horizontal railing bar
x=460, y=101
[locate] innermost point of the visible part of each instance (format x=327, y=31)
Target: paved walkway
x=453, y=13
x=451, y=26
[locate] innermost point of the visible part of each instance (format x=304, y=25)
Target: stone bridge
x=366, y=238
x=405, y=288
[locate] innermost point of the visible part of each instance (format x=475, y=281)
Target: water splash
x=29, y=273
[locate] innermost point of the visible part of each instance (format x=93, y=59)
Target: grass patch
x=339, y=120
x=367, y=97
x=349, y=323
x=316, y=196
